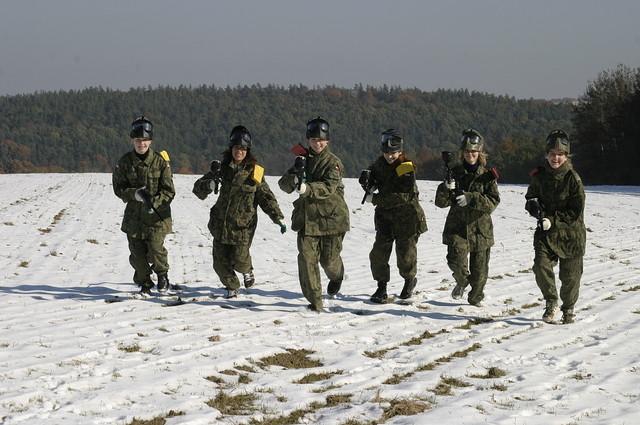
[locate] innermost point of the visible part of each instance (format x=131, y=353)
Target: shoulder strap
x=405, y=168
x=258, y=173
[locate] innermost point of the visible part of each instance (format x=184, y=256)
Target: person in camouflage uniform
x=556, y=198
x=142, y=178
x=472, y=195
x=320, y=214
x=398, y=216
x=234, y=217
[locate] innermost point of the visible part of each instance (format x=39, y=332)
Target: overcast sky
x=540, y=49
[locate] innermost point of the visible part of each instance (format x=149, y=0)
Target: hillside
x=67, y=357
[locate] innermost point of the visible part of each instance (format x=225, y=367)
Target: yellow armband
x=404, y=168
x=165, y=155
x=258, y=173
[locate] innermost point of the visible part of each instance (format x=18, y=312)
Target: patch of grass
x=497, y=277
x=336, y=399
x=229, y=372
x=214, y=338
x=245, y=368
x=459, y=354
x=632, y=289
x=315, y=377
x=24, y=264
x=511, y=312
x=579, y=376
x=243, y=379
x=525, y=271
x=508, y=301
x=530, y=305
x=609, y=298
x=442, y=389
x=404, y=407
x=132, y=348
x=8, y=223
x=240, y=404
x=636, y=312
x=43, y=230
x=163, y=329
x=379, y=353
x=155, y=421
x=427, y=366
x=454, y=382
x=417, y=340
x=277, y=322
x=397, y=378
x=215, y=379
x=53, y=253
x=290, y=419
x=492, y=373
x=474, y=322
x=292, y=359
x=325, y=388
x=93, y=241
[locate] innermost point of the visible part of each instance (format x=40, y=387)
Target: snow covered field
x=68, y=357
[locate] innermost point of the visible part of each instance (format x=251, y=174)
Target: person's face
x=238, y=153
x=141, y=146
x=556, y=157
x=391, y=157
x=318, y=145
x=471, y=157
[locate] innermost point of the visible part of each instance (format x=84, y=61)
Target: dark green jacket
x=561, y=195
x=154, y=173
x=321, y=209
x=470, y=226
x=398, y=211
x=234, y=216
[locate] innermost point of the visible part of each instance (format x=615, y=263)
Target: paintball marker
x=215, y=170
x=367, y=183
x=298, y=169
x=534, y=208
x=146, y=199
x=449, y=177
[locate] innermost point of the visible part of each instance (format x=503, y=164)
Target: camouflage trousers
x=469, y=268
x=325, y=250
x=147, y=255
x=406, y=257
x=227, y=259
x=570, y=273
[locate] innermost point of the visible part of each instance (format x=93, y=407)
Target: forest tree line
x=87, y=130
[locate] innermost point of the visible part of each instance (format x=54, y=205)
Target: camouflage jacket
x=470, y=226
x=154, y=173
x=321, y=210
x=234, y=216
x=561, y=196
x=398, y=211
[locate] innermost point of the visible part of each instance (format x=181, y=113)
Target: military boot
x=380, y=296
x=231, y=293
x=458, y=292
x=163, y=283
x=550, y=312
x=145, y=288
x=568, y=316
x=249, y=279
x=407, y=289
x=333, y=287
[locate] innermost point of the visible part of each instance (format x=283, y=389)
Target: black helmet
x=240, y=136
x=141, y=128
x=391, y=141
x=471, y=140
x=558, y=139
x=318, y=128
